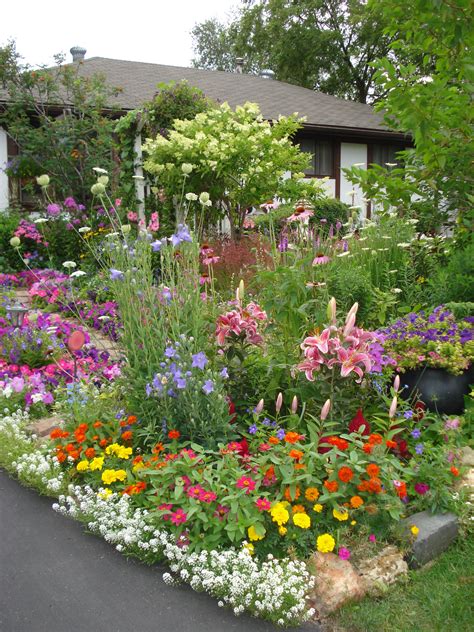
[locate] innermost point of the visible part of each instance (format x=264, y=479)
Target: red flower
x=345, y=474
x=174, y=434
x=127, y=435
x=375, y=439
x=372, y=470
x=359, y=424
x=331, y=486
x=90, y=453
x=454, y=470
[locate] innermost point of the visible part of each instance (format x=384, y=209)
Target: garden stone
x=467, y=456
x=436, y=533
x=382, y=570
x=335, y=583
x=43, y=427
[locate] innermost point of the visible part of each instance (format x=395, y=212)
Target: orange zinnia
x=57, y=433
x=372, y=470
x=454, y=470
x=159, y=447
x=292, y=437
x=97, y=424
x=331, y=486
x=174, y=434
x=299, y=466
x=274, y=440
x=296, y=454
x=311, y=494
x=345, y=474
x=131, y=419
x=127, y=435
x=375, y=439
x=288, y=496
x=298, y=509
x=374, y=485
x=61, y=457
x=356, y=501
x=368, y=448
x=390, y=444
x=90, y=453
x=363, y=486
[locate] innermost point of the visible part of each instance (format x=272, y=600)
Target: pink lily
x=349, y=361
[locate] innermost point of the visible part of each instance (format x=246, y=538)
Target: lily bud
x=241, y=289
x=353, y=310
x=393, y=408
x=331, y=311
x=325, y=409
x=350, y=322
x=396, y=383
x=294, y=405
x=259, y=407
x=279, y=402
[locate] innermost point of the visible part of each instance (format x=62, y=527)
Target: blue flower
x=199, y=360
x=156, y=245
x=280, y=433
x=416, y=434
x=266, y=421
x=180, y=383
x=182, y=234
x=116, y=275
x=224, y=373
x=208, y=387
x=170, y=352
x=419, y=448
x=253, y=429
x=408, y=414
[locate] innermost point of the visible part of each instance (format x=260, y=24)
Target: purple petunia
x=253, y=429
x=280, y=434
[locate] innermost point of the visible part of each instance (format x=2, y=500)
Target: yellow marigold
x=118, y=450
x=110, y=476
x=138, y=466
x=302, y=520
x=253, y=535
x=311, y=494
x=105, y=493
x=282, y=530
x=279, y=514
x=340, y=515
x=325, y=543
x=82, y=466
x=318, y=508
x=97, y=463
x=120, y=475
x=249, y=547
x=414, y=529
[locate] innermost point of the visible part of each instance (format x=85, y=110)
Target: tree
x=235, y=156
x=431, y=101
x=326, y=45
x=60, y=120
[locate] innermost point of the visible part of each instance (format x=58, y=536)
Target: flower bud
x=186, y=168
x=97, y=189
x=241, y=289
x=279, y=402
x=353, y=310
x=126, y=228
x=393, y=408
x=15, y=242
x=396, y=383
x=204, y=197
x=350, y=322
x=331, y=311
x=43, y=180
x=259, y=407
x=325, y=409
x=294, y=405
x=103, y=180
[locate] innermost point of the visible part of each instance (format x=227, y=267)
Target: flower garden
x=236, y=406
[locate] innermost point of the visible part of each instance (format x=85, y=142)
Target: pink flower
x=178, y=517
x=247, y=483
x=372, y=538
x=321, y=260
x=320, y=342
x=344, y=553
x=263, y=504
x=195, y=491
x=350, y=361
x=207, y=497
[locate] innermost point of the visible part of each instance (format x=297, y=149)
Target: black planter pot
x=441, y=391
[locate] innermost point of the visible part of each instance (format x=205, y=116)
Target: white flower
x=192, y=197
x=43, y=180
x=138, y=177
x=396, y=290
x=204, y=199
x=41, y=220
x=343, y=254
x=69, y=264
x=186, y=168
x=99, y=170
x=77, y=273
x=85, y=229
x=15, y=242
x=98, y=188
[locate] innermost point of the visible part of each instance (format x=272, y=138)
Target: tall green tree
x=326, y=45
x=433, y=102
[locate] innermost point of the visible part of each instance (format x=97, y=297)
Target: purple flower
x=53, y=209
x=419, y=448
x=116, y=275
x=156, y=245
x=280, y=434
x=208, y=387
x=224, y=373
x=182, y=234
x=70, y=202
x=253, y=429
x=170, y=352
x=344, y=553
x=408, y=414
x=416, y=434
x=199, y=360
x=180, y=383
x=421, y=488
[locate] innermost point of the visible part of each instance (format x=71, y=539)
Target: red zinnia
x=174, y=434
x=345, y=474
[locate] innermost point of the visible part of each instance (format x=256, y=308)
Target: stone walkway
x=55, y=578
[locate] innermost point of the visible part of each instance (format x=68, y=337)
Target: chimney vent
x=239, y=65
x=78, y=53
x=267, y=74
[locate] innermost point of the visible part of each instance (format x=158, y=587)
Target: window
x=385, y=155
x=322, y=156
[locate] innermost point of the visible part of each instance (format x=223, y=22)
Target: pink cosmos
x=247, y=483
x=178, y=517
x=263, y=504
x=344, y=553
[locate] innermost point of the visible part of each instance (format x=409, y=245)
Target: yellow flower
x=279, y=514
x=282, y=530
x=325, y=543
x=120, y=475
x=340, y=515
x=318, y=508
x=110, y=476
x=82, y=466
x=249, y=547
x=105, y=493
x=353, y=522
x=414, y=529
x=138, y=466
x=97, y=463
x=302, y=520
x=253, y=535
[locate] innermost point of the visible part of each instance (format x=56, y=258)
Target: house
x=337, y=133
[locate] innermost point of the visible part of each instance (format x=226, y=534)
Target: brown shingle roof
x=138, y=82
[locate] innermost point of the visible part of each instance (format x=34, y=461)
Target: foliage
x=430, y=101
x=57, y=118
x=326, y=211
x=323, y=45
x=454, y=280
x=235, y=156
x=9, y=260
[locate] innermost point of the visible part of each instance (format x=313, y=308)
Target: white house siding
x=330, y=187
x=353, y=154
x=3, y=175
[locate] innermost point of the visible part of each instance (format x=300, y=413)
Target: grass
x=437, y=598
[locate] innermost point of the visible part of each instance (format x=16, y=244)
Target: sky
x=137, y=30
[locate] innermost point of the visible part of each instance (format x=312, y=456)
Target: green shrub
x=9, y=259
x=461, y=310
x=454, y=282
x=350, y=285
x=329, y=209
